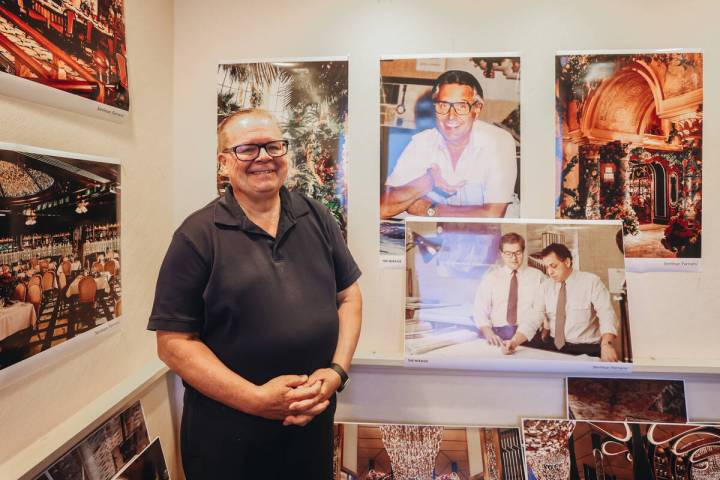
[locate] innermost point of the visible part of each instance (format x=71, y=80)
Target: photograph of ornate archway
x=629, y=147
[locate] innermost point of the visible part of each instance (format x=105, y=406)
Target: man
x=258, y=310
x=463, y=167
x=577, y=307
x=506, y=293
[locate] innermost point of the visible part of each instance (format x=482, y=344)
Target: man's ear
x=222, y=167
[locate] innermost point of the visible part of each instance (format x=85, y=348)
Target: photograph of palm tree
x=309, y=100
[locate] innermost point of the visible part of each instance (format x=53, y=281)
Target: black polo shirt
x=265, y=306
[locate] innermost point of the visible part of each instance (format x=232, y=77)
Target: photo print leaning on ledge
x=410, y=452
x=573, y=449
x=309, y=100
x=449, y=141
x=515, y=294
x=629, y=147
x=620, y=399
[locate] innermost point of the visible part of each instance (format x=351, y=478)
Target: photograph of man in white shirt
x=577, y=307
x=463, y=167
x=506, y=292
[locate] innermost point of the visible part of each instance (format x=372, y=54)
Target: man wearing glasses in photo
x=577, y=307
x=463, y=167
x=257, y=308
x=506, y=292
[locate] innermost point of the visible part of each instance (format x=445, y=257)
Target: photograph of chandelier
x=632, y=399
x=308, y=99
x=60, y=254
x=69, y=54
x=530, y=295
x=572, y=449
x=629, y=130
x=449, y=141
x=427, y=452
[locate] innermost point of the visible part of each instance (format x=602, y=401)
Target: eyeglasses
x=461, y=108
x=248, y=152
x=517, y=254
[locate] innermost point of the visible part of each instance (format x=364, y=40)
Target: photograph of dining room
x=427, y=452
x=103, y=453
x=576, y=449
x=74, y=46
x=620, y=399
x=60, y=256
x=449, y=141
x=629, y=147
x=147, y=465
x=527, y=291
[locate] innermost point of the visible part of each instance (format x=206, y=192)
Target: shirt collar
x=508, y=271
x=229, y=213
x=571, y=277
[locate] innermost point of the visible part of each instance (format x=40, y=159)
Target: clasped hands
x=296, y=399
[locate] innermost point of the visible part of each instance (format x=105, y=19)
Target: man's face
x=557, y=269
x=453, y=127
x=512, y=255
x=260, y=177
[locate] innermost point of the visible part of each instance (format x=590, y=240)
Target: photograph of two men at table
x=551, y=287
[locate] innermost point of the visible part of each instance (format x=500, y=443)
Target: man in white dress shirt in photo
x=463, y=167
x=506, y=292
x=577, y=307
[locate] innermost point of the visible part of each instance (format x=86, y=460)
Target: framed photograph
x=104, y=452
x=449, y=141
x=68, y=54
x=60, y=249
x=516, y=295
x=390, y=451
x=629, y=147
x=565, y=449
x=626, y=399
x=308, y=98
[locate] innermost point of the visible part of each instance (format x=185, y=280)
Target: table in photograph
x=102, y=282
x=16, y=317
x=479, y=348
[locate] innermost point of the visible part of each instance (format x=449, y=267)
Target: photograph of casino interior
x=629, y=146
x=424, y=452
x=60, y=252
x=77, y=46
x=574, y=450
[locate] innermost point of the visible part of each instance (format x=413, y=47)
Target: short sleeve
x=179, y=304
x=500, y=185
x=409, y=165
x=346, y=270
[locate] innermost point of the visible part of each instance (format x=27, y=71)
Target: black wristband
x=344, y=378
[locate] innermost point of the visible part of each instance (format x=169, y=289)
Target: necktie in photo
x=560, y=318
x=512, y=300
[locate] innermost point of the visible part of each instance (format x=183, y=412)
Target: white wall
x=33, y=406
x=685, y=304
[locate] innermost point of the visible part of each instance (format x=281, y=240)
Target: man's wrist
x=344, y=377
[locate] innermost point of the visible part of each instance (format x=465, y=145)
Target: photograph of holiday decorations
x=516, y=295
x=74, y=47
x=147, y=465
x=629, y=147
x=60, y=251
x=425, y=452
x=104, y=452
x=308, y=99
x=621, y=399
x=449, y=141
x=574, y=449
